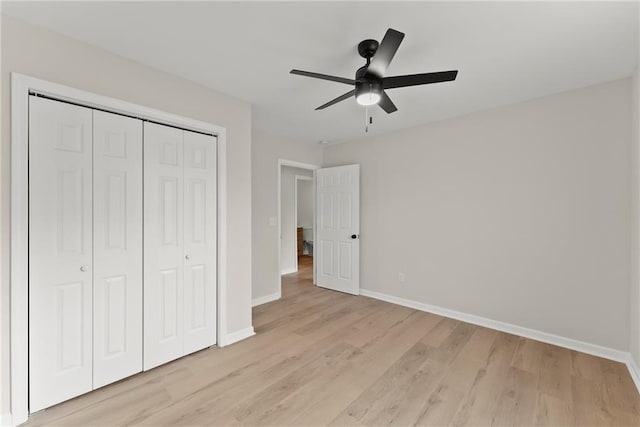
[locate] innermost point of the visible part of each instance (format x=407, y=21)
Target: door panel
x=114, y=337
x=338, y=201
x=200, y=214
x=117, y=225
x=163, y=244
x=169, y=322
x=69, y=315
x=60, y=252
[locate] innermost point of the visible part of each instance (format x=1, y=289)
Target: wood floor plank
x=552, y=411
x=446, y=399
x=484, y=393
x=555, y=372
x=518, y=400
x=619, y=389
x=322, y=357
x=587, y=366
x=441, y=332
x=440, y=407
x=450, y=347
x=528, y=356
x=381, y=399
x=258, y=407
x=379, y=354
x=480, y=344
x=588, y=403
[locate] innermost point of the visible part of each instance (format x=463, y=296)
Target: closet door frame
x=22, y=87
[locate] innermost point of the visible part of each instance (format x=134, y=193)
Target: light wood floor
x=322, y=357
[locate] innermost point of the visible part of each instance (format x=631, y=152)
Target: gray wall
x=266, y=150
x=40, y=53
x=306, y=203
x=634, y=301
x=519, y=214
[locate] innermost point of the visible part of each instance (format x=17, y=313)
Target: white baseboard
x=289, y=271
x=6, y=420
x=234, y=337
x=634, y=371
x=265, y=299
x=593, y=349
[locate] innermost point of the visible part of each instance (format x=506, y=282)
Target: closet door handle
x=187, y=257
x=84, y=268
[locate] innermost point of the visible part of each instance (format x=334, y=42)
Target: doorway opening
x=304, y=206
x=296, y=220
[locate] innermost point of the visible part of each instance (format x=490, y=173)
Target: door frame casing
x=21, y=87
x=299, y=165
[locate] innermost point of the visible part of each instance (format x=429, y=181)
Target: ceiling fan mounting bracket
x=367, y=48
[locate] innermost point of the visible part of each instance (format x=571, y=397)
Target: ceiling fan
x=370, y=81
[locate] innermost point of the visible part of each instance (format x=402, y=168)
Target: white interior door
x=60, y=252
x=337, y=247
x=199, y=241
x=163, y=244
x=117, y=243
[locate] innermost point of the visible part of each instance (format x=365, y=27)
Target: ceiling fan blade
x=338, y=99
x=324, y=77
x=418, y=79
x=387, y=104
x=384, y=54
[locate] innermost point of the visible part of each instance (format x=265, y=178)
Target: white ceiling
x=506, y=52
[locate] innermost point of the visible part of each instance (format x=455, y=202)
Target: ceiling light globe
x=368, y=92
x=368, y=98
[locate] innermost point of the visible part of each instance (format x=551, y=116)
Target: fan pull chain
x=366, y=119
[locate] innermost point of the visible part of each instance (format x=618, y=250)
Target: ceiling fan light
x=368, y=98
x=368, y=93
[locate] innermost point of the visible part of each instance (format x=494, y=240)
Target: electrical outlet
x=401, y=277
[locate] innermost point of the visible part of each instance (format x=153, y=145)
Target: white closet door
x=199, y=241
x=117, y=242
x=163, y=244
x=60, y=252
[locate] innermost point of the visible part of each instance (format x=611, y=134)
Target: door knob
x=187, y=257
x=84, y=268
x=354, y=236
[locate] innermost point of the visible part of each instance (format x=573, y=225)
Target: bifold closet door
x=200, y=273
x=163, y=244
x=117, y=242
x=60, y=252
x=179, y=243
x=92, y=317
